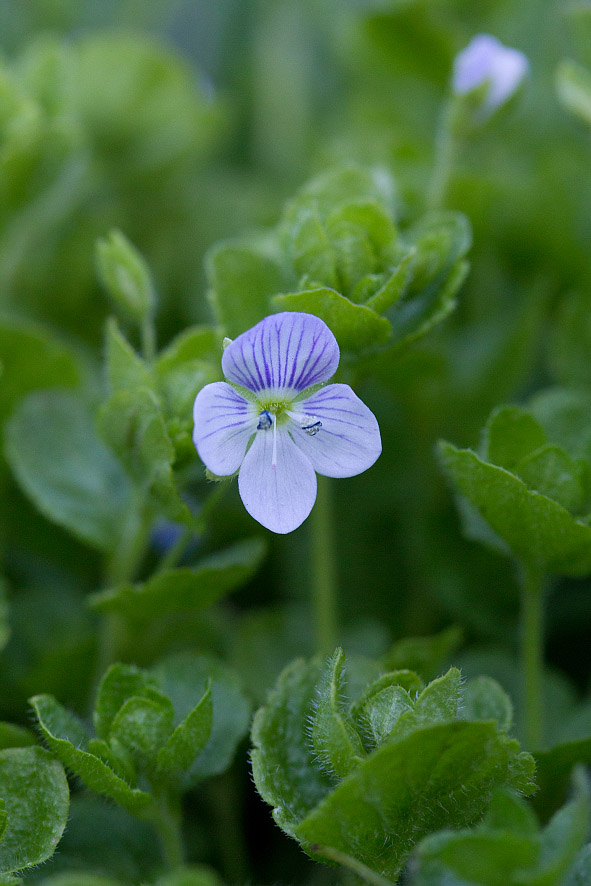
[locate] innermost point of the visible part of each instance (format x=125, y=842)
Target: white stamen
x=308, y=423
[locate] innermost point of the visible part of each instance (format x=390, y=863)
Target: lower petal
x=348, y=442
x=224, y=423
x=279, y=496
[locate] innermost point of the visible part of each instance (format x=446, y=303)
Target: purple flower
x=485, y=59
x=275, y=421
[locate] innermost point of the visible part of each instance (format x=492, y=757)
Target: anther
x=265, y=421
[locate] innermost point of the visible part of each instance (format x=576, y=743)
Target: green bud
x=125, y=275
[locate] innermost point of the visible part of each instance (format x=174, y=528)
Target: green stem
x=445, y=151
x=324, y=573
x=167, y=821
x=532, y=654
x=148, y=333
x=352, y=864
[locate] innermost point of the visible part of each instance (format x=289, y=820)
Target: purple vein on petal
x=295, y=358
x=256, y=365
x=235, y=424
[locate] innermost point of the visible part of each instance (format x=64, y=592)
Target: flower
x=275, y=421
x=484, y=60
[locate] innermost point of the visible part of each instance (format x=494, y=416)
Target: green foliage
x=573, y=85
x=186, y=588
x=509, y=848
x=398, y=756
x=35, y=800
x=72, y=478
x=125, y=276
x=190, y=876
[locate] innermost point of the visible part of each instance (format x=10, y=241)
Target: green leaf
x=483, y=699
x=125, y=369
x=242, y=280
x=72, y=478
x=188, y=739
x=337, y=744
x=415, y=315
x=566, y=832
x=538, y=530
x=175, y=590
x=554, y=767
x=312, y=253
x=392, y=290
x=143, y=726
x=53, y=365
x=184, y=678
x=425, y=655
x=580, y=872
x=356, y=327
x=193, y=875
x=573, y=85
x=120, y=682
x=195, y=343
x=132, y=424
x=125, y=276
x=67, y=739
x=379, y=707
x=13, y=736
x=551, y=472
x=35, y=792
x=79, y=878
x=510, y=435
x=337, y=188
x=565, y=416
x=571, y=339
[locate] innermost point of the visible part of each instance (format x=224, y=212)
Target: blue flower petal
x=348, y=441
x=224, y=423
x=279, y=497
x=282, y=355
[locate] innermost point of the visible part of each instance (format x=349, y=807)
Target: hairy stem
x=532, y=654
x=167, y=821
x=324, y=573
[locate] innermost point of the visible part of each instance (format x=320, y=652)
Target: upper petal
x=224, y=423
x=283, y=354
x=279, y=497
x=348, y=442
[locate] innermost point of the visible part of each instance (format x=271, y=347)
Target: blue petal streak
x=224, y=423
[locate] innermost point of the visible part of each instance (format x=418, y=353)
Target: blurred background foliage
x=183, y=122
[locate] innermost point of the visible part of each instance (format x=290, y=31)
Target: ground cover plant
x=295, y=443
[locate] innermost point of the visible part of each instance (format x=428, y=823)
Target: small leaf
x=336, y=742
x=356, y=327
x=72, y=478
x=175, y=590
x=125, y=368
x=510, y=435
x=483, y=699
x=554, y=768
x=13, y=736
x=194, y=343
x=573, y=85
x=120, y=682
x=311, y=252
x=188, y=739
x=378, y=709
x=425, y=655
x=551, y=472
x=36, y=799
x=125, y=275
x=58, y=727
x=143, y=726
x=392, y=290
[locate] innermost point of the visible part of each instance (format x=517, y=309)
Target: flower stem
x=445, y=151
x=532, y=654
x=167, y=821
x=324, y=574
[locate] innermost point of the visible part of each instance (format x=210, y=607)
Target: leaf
x=551, y=472
x=132, y=424
x=425, y=655
x=54, y=364
x=336, y=742
x=312, y=253
x=193, y=875
x=120, y=682
x=565, y=416
x=380, y=706
x=356, y=327
x=125, y=369
x=71, y=478
x=125, y=275
x=195, y=343
x=188, y=739
x=573, y=86
x=580, y=873
x=483, y=699
x=79, y=878
x=67, y=739
x=538, y=530
x=184, y=678
x=554, y=768
x=175, y=590
x=143, y=726
x=510, y=435
x=36, y=799
x=242, y=280
x=13, y=736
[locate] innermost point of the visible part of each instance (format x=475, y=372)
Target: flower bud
x=485, y=62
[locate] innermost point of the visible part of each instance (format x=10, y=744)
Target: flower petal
x=224, y=423
x=279, y=497
x=348, y=442
x=282, y=355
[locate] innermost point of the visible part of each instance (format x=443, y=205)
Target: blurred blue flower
x=275, y=421
x=486, y=60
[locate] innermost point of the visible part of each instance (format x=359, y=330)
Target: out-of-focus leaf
x=64, y=468
x=13, y=736
x=125, y=369
x=194, y=875
x=36, y=797
x=125, y=276
x=573, y=85
x=425, y=655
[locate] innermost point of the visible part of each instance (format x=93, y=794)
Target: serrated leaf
x=184, y=678
x=188, y=739
x=382, y=703
x=242, y=280
x=510, y=435
x=484, y=699
x=440, y=699
x=538, y=530
x=125, y=369
x=36, y=798
x=72, y=478
x=58, y=727
x=573, y=85
x=406, y=789
x=356, y=327
x=132, y=424
x=174, y=590
x=336, y=743
x=120, y=682
x=143, y=726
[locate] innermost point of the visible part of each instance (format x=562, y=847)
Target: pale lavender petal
x=348, y=441
x=224, y=422
x=279, y=497
x=282, y=355
x=486, y=59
